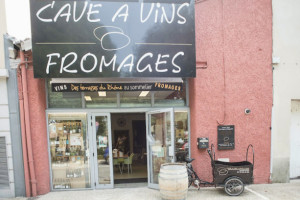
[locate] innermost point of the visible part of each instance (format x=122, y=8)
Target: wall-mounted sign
x=226, y=137
x=202, y=143
x=132, y=38
x=95, y=87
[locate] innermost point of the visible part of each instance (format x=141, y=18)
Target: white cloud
x=18, y=18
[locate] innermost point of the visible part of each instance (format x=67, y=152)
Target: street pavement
x=282, y=191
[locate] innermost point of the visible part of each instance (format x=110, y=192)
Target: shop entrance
x=129, y=147
x=119, y=148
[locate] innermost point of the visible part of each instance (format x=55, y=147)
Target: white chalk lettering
x=156, y=12
x=49, y=56
x=67, y=14
x=149, y=13
x=112, y=61
x=91, y=12
x=65, y=68
x=164, y=15
x=179, y=15
x=159, y=62
x=130, y=65
x=125, y=14
x=82, y=12
x=173, y=62
x=147, y=66
x=84, y=59
x=42, y=9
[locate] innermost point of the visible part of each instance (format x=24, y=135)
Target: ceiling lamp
x=102, y=94
x=144, y=93
x=88, y=98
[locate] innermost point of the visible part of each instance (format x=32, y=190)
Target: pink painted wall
x=235, y=39
x=37, y=107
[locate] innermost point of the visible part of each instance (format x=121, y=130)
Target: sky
x=18, y=18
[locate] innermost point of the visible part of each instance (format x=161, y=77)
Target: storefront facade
x=83, y=140
x=75, y=133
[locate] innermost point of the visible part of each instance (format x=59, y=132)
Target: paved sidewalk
x=289, y=191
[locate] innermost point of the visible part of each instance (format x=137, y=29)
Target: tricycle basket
x=224, y=170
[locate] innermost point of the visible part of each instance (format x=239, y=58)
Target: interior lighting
x=88, y=98
x=102, y=94
x=144, y=93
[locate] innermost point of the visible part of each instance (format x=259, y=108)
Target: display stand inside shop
x=69, y=167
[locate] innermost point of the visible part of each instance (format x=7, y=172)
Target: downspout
x=27, y=124
x=24, y=144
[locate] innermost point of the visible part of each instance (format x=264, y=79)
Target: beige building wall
x=5, y=190
x=286, y=79
x=2, y=31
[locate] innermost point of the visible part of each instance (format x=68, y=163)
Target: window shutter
x=4, y=180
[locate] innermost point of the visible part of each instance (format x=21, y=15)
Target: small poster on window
x=75, y=139
x=102, y=141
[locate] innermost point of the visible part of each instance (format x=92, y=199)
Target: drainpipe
x=24, y=145
x=26, y=118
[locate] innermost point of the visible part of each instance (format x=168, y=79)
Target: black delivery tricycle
x=230, y=175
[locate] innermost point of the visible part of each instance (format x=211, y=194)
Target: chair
x=128, y=162
x=121, y=162
x=116, y=162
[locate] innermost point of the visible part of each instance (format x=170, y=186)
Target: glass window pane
x=160, y=142
x=69, y=150
x=170, y=98
x=102, y=140
x=181, y=135
x=100, y=99
x=135, y=99
x=63, y=99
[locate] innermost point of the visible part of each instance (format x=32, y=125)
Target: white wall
x=286, y=79
x=295, y=140
x=2, y=31
x=4, y=111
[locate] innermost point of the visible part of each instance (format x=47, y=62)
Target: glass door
x=102, y=151
x=160, y=142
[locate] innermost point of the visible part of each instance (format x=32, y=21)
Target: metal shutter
x=4, y=180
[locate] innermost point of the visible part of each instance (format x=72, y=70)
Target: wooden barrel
x=173, y=181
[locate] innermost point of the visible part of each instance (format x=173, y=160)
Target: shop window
x=68, y=150
x=181, y=135
x=135, y=99
x=100, y=99
x=102, y=144
x=170, y=98
x=63, y=99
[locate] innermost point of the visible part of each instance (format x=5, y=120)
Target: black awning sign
x=95, y=87
x=226, y=137
x=115, y=38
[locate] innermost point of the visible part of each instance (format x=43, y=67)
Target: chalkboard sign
x=133, y=38
x=226, y=137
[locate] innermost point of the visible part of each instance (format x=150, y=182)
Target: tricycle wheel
x=234, y=186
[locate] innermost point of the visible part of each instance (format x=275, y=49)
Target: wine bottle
x=74, y=127
x=79, y=128
x=67, y=146
x=68, y=128
x=65, y=128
